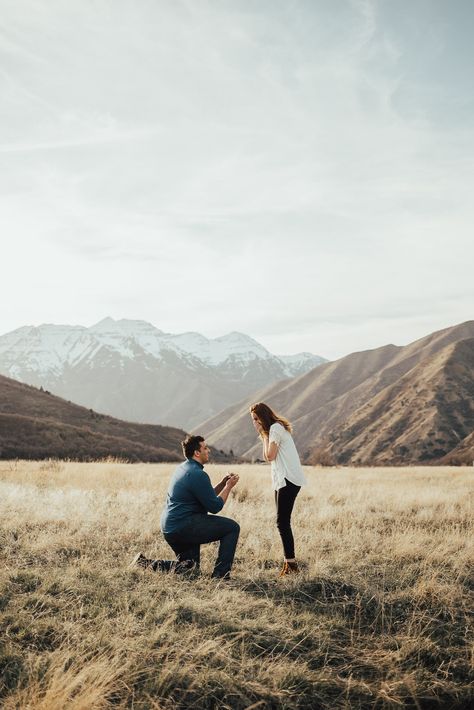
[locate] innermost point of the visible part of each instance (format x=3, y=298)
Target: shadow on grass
x=302, y=592
x=368, y=611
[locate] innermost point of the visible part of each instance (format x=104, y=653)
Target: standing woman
x=287, y=474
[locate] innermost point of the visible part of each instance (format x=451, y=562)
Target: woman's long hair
x=266, y=416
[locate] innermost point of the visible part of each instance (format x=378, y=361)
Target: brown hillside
x=419, y=418
x=462, y=454
x=35, y=424
x=321, y=402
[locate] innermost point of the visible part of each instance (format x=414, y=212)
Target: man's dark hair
x=191, y=444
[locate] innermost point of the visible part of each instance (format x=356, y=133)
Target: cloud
x=292, y=170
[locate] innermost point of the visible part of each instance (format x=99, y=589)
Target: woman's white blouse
x=287, y=462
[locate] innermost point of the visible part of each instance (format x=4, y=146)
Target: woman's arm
x=270, y=449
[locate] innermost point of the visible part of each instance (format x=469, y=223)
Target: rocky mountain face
x=392, y=405
x=134, y=371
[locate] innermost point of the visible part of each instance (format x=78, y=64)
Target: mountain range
x=131, y=370
x=34, y=424
x=392, y=405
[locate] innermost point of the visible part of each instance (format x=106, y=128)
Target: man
x=185, y=522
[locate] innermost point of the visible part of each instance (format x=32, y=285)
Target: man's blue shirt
x=190, y=491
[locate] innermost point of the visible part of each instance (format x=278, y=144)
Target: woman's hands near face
x=257, y=425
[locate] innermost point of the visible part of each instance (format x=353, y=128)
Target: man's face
x=203, y=454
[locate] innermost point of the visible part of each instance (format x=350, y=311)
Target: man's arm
x=206, y=495
x=232, y=481
x=221, y=484
x=201, y=487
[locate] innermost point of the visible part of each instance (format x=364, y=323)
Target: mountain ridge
x=324, y=403
x=132, y=370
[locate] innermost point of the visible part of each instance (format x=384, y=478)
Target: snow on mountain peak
x=237, y=338
x=50, y=348
x=298, y=357
x=104, y=324
x=300, y=362
x=123, y=326
x=45, y=348
x=240, y=345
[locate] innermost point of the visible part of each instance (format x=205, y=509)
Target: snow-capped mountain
x=134, y=371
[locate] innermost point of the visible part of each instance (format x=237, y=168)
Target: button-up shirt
x=190, y=492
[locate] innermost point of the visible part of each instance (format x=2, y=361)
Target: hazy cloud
x=298, y=170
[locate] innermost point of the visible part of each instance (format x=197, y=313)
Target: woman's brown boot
x=289, y=568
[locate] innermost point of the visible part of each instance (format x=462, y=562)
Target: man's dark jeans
x=201, y=529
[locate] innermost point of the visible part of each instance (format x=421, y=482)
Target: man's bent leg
x=209, y=528
x=227, y=548
x=184, y=547
x=201, y=530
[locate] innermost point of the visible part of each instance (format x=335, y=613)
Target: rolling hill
x=35, y=424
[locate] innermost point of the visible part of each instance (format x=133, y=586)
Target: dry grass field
x=380, y=617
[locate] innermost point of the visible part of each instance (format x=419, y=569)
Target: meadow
x=380, y=616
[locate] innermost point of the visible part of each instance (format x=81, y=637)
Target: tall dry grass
x=380, y=617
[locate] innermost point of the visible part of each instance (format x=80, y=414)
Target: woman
x=287, y=474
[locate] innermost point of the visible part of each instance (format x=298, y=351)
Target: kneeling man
x=185, y=522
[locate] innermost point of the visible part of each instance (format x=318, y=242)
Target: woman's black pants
x=284, y=500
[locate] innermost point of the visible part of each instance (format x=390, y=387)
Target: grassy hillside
x=379, y=618
x=35, y=424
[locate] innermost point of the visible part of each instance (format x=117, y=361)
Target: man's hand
x=232, y=480
x=222, y=484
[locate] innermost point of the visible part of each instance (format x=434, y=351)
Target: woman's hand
x=257, y=425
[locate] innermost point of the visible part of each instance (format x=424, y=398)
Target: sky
x=297, y=170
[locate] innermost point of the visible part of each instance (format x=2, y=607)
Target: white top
x=287, y=462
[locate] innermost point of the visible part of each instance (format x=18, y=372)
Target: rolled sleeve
x=274, y=435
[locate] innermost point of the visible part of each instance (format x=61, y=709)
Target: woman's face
x=256, y=422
